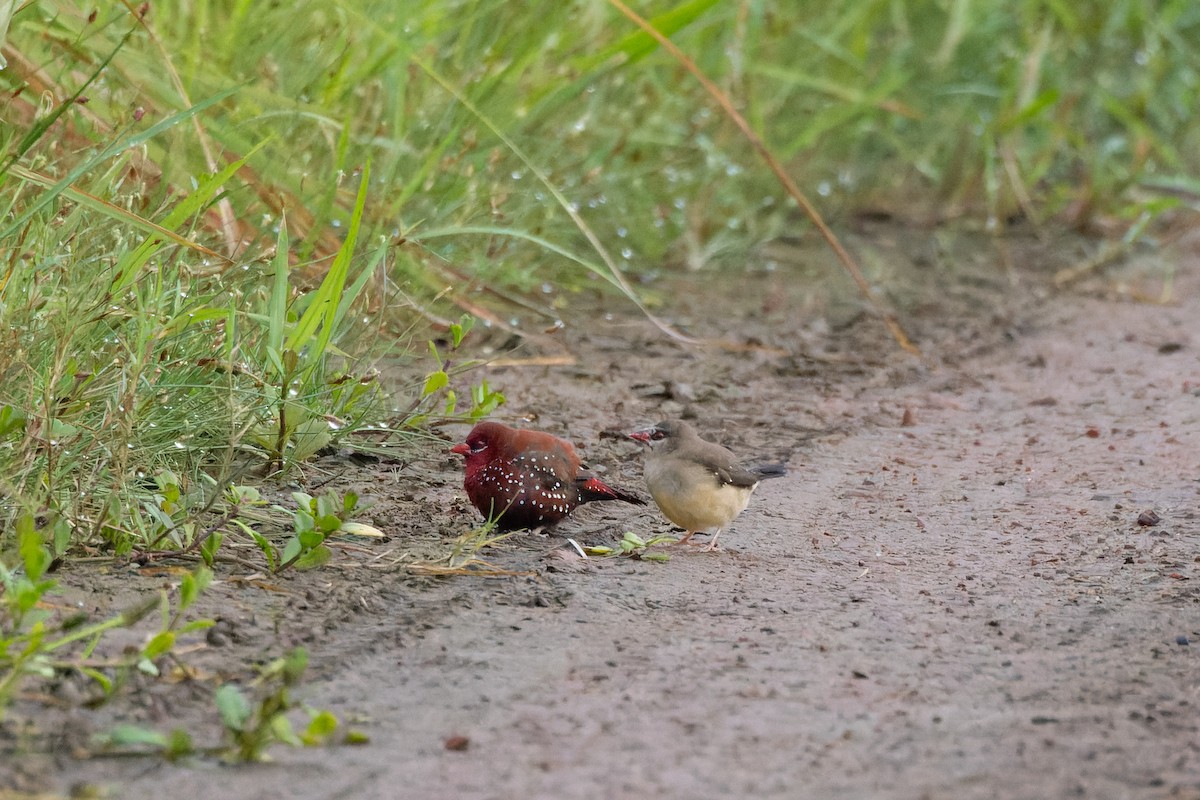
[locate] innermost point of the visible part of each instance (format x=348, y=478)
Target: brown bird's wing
x=743, y=475
x=719, y=462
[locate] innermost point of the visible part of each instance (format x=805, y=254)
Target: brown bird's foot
x=713, y=544
x=687, y=538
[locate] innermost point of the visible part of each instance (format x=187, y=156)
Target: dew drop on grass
x=824, y=189
x=733, y=169
x=680, y=203
x=626, y=253
x=180, y=445
x=573, y=206
x=547, y=288
x=622, y=232
x=517, y=175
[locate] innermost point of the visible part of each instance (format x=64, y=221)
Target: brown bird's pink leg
x=713, y=544
x=686, y=537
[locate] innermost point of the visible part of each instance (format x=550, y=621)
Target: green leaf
x=160, y=643
x=310, y=538
x=277, y=305
x=268, y=550
x=208, y=550
x=233, y=707
x=281, y=727
x=291, y=550
x=106, y=684
x=187, y=591
x=436, y=380
x=62, y=536
x=34, y=554
x=303, y=521
x=655, y=557
x=294, y=665
x=131, y=735
x=309, y=437
x=329, y=523
x=193, y=584
x=245, y=494
x=314, y=558
x=320, y=728
x=357, y=737
x=327, y=505
x=10, y=420
x=350, y=502
x=179, y=743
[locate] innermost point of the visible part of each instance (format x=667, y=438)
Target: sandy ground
x=950, y=595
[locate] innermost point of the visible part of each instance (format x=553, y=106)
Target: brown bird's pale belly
x=697, y=502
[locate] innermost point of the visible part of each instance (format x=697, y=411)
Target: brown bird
x=698, y=485
x=524, y=478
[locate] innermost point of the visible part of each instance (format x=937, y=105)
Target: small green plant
x=315, y=520
x=633, y=546
x=252, y=728
x=29, y=642
x=252, y=724
x=484, y=399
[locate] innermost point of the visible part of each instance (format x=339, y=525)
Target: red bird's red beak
x=462, y=449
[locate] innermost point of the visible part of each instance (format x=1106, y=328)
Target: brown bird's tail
x=592, y=488
x=764, y=471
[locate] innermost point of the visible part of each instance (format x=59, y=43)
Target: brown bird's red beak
x=642, y=436
x=462, y=448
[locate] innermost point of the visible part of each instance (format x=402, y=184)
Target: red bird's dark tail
x=592, y=488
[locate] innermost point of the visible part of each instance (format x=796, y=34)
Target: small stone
x=1148, y=519
x=1182, y=640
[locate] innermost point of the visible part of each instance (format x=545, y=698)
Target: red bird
x=525, y=478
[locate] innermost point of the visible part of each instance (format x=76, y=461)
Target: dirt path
x=961, y=606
